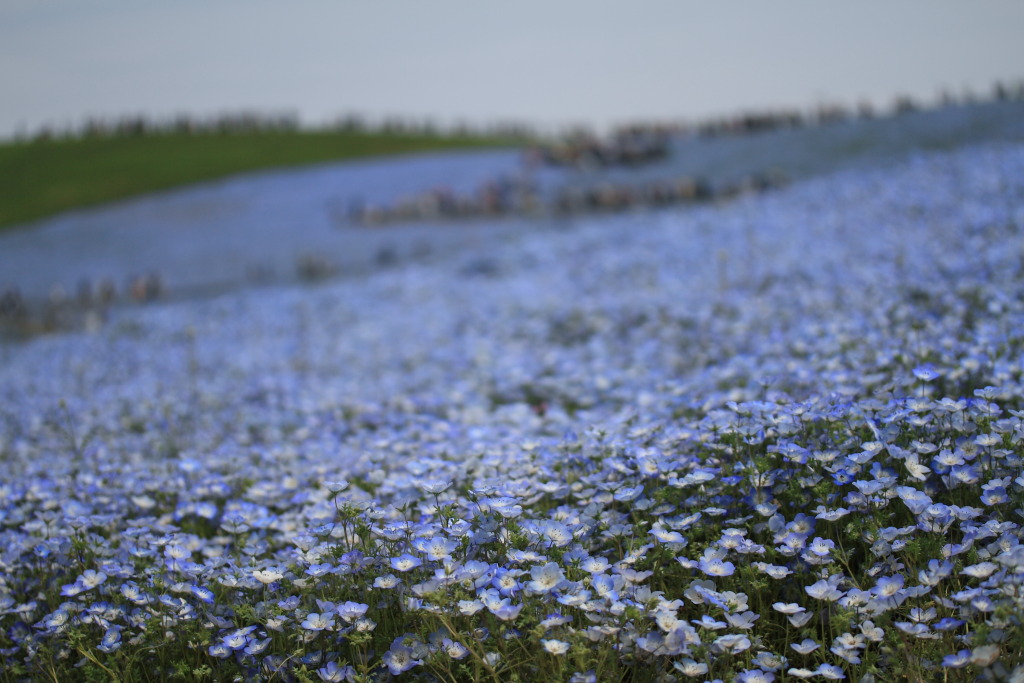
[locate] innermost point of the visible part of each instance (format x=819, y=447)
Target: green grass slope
x=42, y=178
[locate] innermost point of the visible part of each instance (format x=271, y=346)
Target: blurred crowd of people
x=502, y=196
x=631, y=146
x=520, y=197
x=86, y=308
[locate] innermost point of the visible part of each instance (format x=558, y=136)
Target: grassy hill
x=44, y=177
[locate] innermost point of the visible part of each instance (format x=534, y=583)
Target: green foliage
x=41, y=178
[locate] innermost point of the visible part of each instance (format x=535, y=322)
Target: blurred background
x=160, y=150
x=596, y=63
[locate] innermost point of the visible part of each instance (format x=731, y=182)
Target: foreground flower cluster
x=777, y=440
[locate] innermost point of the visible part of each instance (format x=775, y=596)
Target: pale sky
x=549, y=62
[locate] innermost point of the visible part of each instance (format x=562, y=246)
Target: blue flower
x=454, y=649
x=350, y=611
x=220, y=651
x=546, y=578
x=203, y=593
x=318, y=622
x=716, y=566
x=111, y=640
x=505, y=610
x=399, y=659
x=335, y=673
x=405, y=562
x=555, y=647
x=957, y=661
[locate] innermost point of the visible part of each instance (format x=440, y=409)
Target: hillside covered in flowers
x=773, y=440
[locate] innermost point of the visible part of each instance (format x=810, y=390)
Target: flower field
x=774, y=440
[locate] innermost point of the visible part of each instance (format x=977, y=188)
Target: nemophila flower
x=505, y=610
x=914, y=629
x=948, y=624
x=983, y=604
x=289, y=603
x=830, y=672
x=926, y=372
x=914, y=499
x=454, y=649
x=936, y=571
x=731, y=643
x=755, y=676
x=134, y=594
x=318, y=570
x=434, y=486
x=88, y=580
x=787, y=607
x=743, y=621
x=559, y=534
x=805, y=647
x=628, y=494
x=268, y=575
x=963, y=475
x=506, y=581
x=982, y=570
x=985, y=655
x=847, y=646
x=470, y=607
x=546, y=578
x=691, y=668
x=234, y=522
x=523, y=556
x=70, y=590
x=436, y=548
x=666, y=619
x=774, y=571
x=555, y=647
x=318, y=622
x=842, y=476
x=917, y=471
x=825, y=589
x=799, y=672
x=821, y=547
x=350, y=611
x=333, y=672
x=386, y=581
x=489, y=597
x=336, y=486
x=958, y=660
x=576, y=599
x=654, y=643
x=607, y=586
x=405, y=562
x=995, y=493
x=872, y=632
x=257, y=646
x=888, y=586
x=202, y=593
x=399, y=659
x=56, y=621
x=364, y=625
x=239, y=638
x=792, y=543
x=220, y=651
x=111, y=640
x=821, y=512
x=594, y=565
x=716, y=566
x=734, y=602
